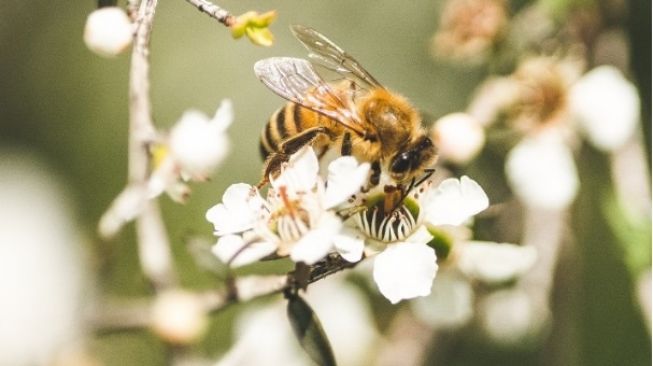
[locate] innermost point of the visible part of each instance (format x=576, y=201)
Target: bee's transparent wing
x=295, y=80
x=327, y=53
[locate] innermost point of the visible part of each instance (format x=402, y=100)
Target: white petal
x=405, y=270
x=241, y=207
x=350, y=244
x=450, y=304
x=455, y=201
x=346, y=177
x=513, y=317
x=318, y=242
x=493, y=262
x=108, y=31
x=224, y=115
x=606, y=106
x=300, y=174
x=542, y=173
x=458, y=136
x=234, y=245
x=197, y=144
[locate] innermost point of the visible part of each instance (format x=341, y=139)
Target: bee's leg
x=272, y=165
x=294, y=143
x=374, y=178
x=345, y=149
x=288, y=147
x=376, y=173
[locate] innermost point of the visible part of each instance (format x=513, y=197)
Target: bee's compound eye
x=401, y=163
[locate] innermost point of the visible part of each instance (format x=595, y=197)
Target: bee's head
x=410, y=161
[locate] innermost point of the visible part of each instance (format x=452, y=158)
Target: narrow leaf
x=309, y=331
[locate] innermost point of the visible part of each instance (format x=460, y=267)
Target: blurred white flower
x=542, y=173
x=495, y=263
x=198, y=144
x=264, y=337
x=450, y=304
x=511, y=317
x=464, y=263
x=296, y=219
x=108, y=31
x=606, y=106
x=178, y=317
x=407, y=266
x=195, y=146
x=458, y=136
x=42, y=273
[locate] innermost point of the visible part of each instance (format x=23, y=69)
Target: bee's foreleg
x=345, y=148
x=375, y=177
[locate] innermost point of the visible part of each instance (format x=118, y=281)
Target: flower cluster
x=305, y=217
x=549, y=104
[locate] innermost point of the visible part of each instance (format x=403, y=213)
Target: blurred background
x=63, y=159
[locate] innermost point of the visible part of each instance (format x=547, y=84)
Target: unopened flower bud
x=108, y=31
x=459, y=137
x=255, y=27
x=178, y=317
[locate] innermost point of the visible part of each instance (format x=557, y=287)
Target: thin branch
x=154, y=247
x=221, y=15
x=135, y=314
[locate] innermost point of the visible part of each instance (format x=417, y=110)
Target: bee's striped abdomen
x=284, y=123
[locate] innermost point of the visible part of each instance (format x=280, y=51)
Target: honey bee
x=357, y=114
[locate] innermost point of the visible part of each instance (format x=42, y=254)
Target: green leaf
x=309, y=331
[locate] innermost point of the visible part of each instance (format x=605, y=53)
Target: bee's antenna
x=427, y=174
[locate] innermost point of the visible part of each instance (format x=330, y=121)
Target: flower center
x=388, y=227
x=291, y=228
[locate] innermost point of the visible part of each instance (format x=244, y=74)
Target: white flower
x=511, y=317
x=606, y=106
x=407, y=265
x=296, y=218
x=240, y=208
x=542, y=173
x=458, y=136
x=198, y=144
x=195, y=146
x=450, y=304
x=493, y=262
x=108, y=31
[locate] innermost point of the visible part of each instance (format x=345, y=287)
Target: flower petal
x=241, y=207
x=455, y=201
x=300, y=174
x=404, y=271
x=240, y=251
x=350, y=245
x=606, y=106
x=493, y=262
x=450, y=304
x=346, y=177
x=318, y=242
x=224, y=115
x=197, y=144
x=542, y=173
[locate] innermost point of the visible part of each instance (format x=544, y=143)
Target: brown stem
x=154, y=247
x=221, y=15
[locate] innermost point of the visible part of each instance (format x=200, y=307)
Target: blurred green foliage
x=59, y=99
